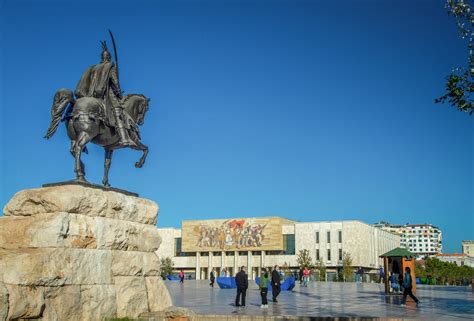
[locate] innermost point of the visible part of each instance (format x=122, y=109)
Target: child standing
x=263, y=286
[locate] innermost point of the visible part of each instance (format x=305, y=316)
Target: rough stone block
x=29, y=302
x=121, y=235
x=131, y=296
x=82, y=200
x=55, y=267
x=98, y=302
x=63, y=303
x=158, y=296
x=47, y=230
x=133, y=263
x=76, y=231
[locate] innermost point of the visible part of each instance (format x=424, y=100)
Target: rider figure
x=101, y=81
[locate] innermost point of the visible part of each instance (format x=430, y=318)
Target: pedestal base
x=70, y=252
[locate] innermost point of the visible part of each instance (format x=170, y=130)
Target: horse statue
x=86, y=122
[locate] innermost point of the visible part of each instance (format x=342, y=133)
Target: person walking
x=360, y=274
x=381, y=274
x=275, y=283
x=263, y=286
x=181, y=277
x=306, y=273
x=407, y=288
x=212, y=278
x=242, y=283
x=301, y=275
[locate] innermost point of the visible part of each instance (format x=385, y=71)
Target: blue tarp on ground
x=172, y=277
x=226, y=282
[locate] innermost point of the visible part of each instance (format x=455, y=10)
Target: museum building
x=202, y=245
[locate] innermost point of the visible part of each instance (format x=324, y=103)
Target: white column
x=236, y=264
x=259, y=270
x=249, y=265
x=198, y=265
x=222, y=260
x=210, y=264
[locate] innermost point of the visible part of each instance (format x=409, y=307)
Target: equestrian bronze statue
x=97, y=112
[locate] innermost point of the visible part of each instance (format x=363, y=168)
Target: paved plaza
x=329, y=299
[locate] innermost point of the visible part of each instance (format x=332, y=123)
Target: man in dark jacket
x=242, y=283
x=275, y=283
x=300, y=276
x=407, y=287
x=212, y=278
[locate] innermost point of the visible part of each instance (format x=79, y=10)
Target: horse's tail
x=62, y=99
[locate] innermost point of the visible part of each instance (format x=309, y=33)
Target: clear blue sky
x=310, y=110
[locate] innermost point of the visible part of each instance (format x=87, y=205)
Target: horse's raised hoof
x=138, y=164
x=106, y=184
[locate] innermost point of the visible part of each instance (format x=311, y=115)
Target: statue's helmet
x=105, y=56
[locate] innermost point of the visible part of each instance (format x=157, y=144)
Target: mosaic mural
x=232, y=234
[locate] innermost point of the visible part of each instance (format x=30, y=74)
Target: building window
x=289, y=244
x=340, y=236
x=217, y=253
x=229, y=253
x=177, y=246
x=328, y=238
x=177, y=249
x=329, y=255
x=317, y=237
x=273, y=252
x=256, y=252
x=317, y=255
x=340, y=254
x=243, y=253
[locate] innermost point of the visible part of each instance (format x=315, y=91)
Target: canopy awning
x=399, y=251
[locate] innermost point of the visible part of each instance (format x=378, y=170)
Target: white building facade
x=420, y=239
x=468, y=248
x=325, y=241
x=457, y=258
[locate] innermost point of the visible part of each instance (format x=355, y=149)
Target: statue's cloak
x=95, y=82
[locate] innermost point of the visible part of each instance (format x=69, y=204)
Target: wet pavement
x=329, y=299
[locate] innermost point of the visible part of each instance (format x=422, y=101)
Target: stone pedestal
x=76, y=253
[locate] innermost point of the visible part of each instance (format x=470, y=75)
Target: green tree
x=304, y=259
x=321, y=268
x=347, y=271
x=420, y=270
x=445, y=272
x=167, y=265
x=460, y=83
